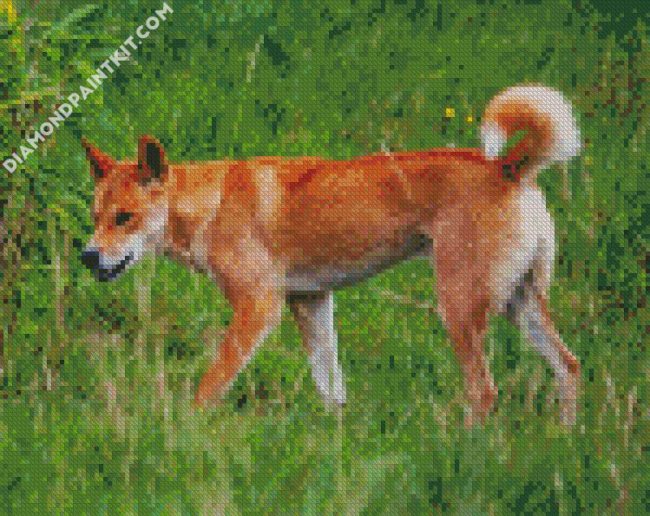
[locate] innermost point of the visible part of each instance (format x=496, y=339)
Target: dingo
x=273, y=229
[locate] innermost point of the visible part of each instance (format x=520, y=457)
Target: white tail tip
x=549, y=105
x=493, y=139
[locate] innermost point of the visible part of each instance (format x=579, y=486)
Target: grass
x=94, y=400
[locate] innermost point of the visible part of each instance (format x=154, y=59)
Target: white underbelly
x=327, y=278
x=342, y=275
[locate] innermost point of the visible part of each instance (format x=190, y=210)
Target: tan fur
x=271, y=228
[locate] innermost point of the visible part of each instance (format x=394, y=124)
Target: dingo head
x=130, y=208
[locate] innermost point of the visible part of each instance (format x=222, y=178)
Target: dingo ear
x=100, y=163
x=152, y=163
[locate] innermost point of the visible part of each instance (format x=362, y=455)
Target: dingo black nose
x=90, y=258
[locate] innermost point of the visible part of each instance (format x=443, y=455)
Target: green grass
x=95, y=410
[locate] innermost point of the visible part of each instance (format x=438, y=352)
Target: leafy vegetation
x=94, y=399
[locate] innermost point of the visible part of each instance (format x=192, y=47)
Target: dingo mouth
x=109, y=274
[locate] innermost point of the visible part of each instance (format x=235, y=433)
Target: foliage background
x=94, y=399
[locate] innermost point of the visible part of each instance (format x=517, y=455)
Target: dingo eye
x=122, y=218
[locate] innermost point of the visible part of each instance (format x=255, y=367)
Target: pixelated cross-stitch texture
x=352, y=256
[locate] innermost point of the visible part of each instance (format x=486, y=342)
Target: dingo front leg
x=314, y=314
x=256, y=314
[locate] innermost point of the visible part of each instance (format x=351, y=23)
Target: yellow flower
x=7, y=6
x=450, y=112
x=469, y=119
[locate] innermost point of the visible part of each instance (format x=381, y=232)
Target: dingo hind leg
x=464, y=306
x=530, y=312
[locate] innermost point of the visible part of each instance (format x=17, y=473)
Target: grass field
x=95, y=397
